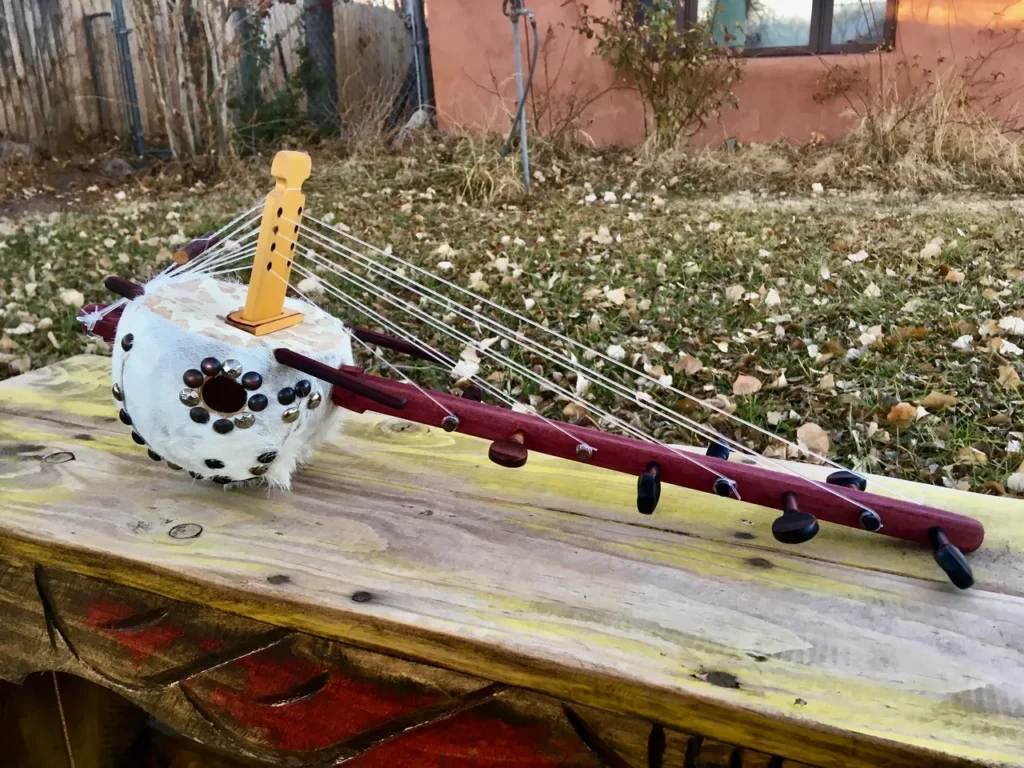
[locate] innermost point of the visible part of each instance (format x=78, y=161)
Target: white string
x=224, y=249
x=521, y=340
x=376, y=353
x=508, y=362
x=359, y=306
x=174, y=267
x=245, y=254
x=525, y=372
x=91, y=319
x=229, y=243
x=606, y=358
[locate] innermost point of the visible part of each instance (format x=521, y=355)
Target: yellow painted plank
x=847, y=651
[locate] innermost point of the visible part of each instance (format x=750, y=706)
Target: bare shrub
x=682, y=74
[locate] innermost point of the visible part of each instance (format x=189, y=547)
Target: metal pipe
x=132, y=98
x=520, y=94
x=421, y=56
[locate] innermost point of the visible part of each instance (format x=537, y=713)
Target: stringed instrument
x=238, y=383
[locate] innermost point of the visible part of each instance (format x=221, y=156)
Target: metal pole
x=520, y=95
x=123, y=47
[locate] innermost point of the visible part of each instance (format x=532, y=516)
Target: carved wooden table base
x=292, y=699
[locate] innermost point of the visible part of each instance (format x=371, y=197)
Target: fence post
x=322, y=91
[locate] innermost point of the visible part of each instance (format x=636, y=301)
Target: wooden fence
x=53, y=91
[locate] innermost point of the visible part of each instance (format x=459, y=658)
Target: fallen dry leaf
x=617, y=297
x=1012, y=325
x=735, y=292
x=688, y=364
x=814, y=439
x=574, y=411
x=828, y=381
x=955, y=276
x=1008, y=376
x=937, y=401
x=970, y=457
x=745, y=385
x=902, y=415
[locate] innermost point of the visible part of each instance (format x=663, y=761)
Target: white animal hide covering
x=177, y=324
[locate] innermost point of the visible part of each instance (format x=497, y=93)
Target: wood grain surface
x=849, y=650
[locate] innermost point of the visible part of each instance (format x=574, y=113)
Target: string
x=231, y=242
x=377, y=354
x=351, y=301
x=521, y=340
x=516, y=340
x=618, y=364
x=63, y=721
x=525, y=372
x=171, y=269
x=222, y=250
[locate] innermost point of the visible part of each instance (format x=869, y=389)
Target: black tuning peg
x=794, y=526
x=950, y=559
x=648, y=489
x=847, y=479
x=725, y=487
x=868, y=518
x=717, y=450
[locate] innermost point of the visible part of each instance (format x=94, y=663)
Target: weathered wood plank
x=538, y=580
x=286, y=698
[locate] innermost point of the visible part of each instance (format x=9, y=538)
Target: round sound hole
x=224, y=395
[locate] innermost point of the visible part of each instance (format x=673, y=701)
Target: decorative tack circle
x=124, y=417
x=450, y=423
x=244, y=420
x=214, y=463
x=258, y=402
x=199, y=415
x=172, y=465
x=189, y=397
x=195, y=475
x=231, y=368
x=138, y=438
x=266, y=458
x=303, y=388
x=185, y=531
x=286, y=396
x=252, y=380
x=154, y=455
x=210, y=366
x=117, y=392
x=314, y=401
x=223, y=426
x=221, y=479
x=290, y=415
x=127, y=341
x=259, y=470
x=193, y=379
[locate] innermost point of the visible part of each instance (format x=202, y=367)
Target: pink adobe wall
x=471, y=51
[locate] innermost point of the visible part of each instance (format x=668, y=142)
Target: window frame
x=820, y=41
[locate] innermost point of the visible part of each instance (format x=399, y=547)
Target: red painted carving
x=140, y=642
x=476, y=740
x=341, y=708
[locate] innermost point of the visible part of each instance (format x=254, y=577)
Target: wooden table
x=410, y=604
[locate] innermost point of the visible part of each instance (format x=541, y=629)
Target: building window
x=780, y=27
